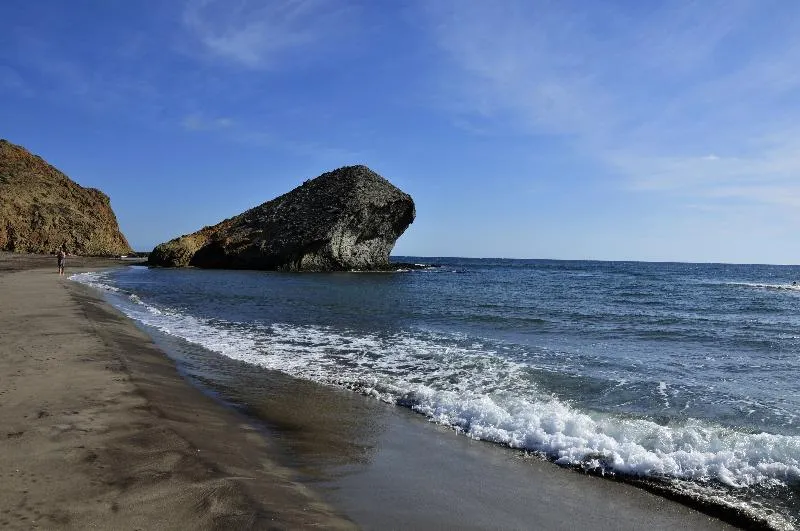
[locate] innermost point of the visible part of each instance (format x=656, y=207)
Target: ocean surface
x=684, y=375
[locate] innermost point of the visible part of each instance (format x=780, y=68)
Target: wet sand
x=386, y=467
x=99, y=430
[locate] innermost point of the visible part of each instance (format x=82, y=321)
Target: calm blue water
x=683, y=373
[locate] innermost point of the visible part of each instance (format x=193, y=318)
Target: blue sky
x=530, y=129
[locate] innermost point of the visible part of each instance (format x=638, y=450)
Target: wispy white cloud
x=259, y=34
x=11, y=80
x=769, y=175
x=307, y=148
x=198, y=122
x=782, y=194
x=508, y=63
x=695, y=98
x=47, y=70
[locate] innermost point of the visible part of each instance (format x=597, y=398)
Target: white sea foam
x=96, y=280
x=765, y=286
x=662, y=391
x=484, y=396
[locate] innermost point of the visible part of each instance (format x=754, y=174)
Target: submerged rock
x=41, y=210
x=346, y=219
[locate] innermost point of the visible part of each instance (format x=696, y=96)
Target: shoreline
x=101, y=431
x=242, y=464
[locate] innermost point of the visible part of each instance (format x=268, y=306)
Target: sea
x=676, y=376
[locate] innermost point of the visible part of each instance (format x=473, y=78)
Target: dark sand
x=386, y=467
x=99, y=430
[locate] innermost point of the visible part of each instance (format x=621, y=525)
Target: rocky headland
x=42, y=210
x=346, y=219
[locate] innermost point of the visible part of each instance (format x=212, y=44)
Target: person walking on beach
x=62, y=255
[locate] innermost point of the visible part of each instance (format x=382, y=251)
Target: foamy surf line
x=765, y=286
x=456, y=385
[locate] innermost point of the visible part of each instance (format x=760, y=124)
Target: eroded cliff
x=41, y=209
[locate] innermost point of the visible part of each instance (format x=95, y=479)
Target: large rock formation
x=41, y=209
x=345, y=219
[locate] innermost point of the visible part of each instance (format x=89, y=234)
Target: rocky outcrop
x=41, y=210
x=347, y=219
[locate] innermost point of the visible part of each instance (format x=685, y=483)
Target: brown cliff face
x=42, y=209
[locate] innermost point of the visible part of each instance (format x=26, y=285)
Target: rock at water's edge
x=346, y=219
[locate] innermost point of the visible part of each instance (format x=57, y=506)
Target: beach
x=100, y=430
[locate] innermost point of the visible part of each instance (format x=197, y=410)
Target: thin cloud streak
x=198, y=122
x=767, y=176
x=46, y=70
x=259, y=35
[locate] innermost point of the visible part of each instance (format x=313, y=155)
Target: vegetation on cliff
x=41, y=209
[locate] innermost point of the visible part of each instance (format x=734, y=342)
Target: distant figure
x=62, y=255
x=794, y=283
